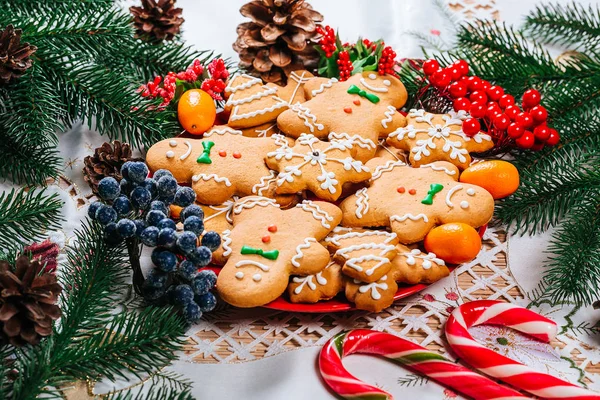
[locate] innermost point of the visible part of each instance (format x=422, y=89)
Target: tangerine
x=498, y=177
x=455, y=242
x=196, y=111
x=175, y=211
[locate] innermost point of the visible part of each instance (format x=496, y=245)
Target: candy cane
x=402, y=352
x=493, y=364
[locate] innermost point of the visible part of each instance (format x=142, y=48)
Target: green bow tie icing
x=369, y=96
x=433, y=189
x=269, y=255
x=205, y=157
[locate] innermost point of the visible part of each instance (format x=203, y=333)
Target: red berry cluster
x=371, y=45
x=215, y=86
x=193, y=74
x=387, y=61
x=344, y=65
x=488, y=104
x=327, y=40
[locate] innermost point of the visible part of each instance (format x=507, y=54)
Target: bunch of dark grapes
x=139, y=207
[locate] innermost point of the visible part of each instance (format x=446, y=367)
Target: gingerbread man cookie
x=363, y=107
x=221, y=164
x=269, y=244
x=414, y=266
x=438, y=137
x=218, y=218
x=365, y=254
x=321, y=167
x=251, y=103
x=411, y=201
x=323, y=285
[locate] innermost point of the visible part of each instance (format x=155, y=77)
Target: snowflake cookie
x=363, y=107
x=321, y=167
x=221, y=164
x=412, y=201
x=438, y=137
x=268, y=244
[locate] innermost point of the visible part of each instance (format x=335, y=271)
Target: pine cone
x=106, y=161
x=279, y=40
x=14, y=56
x=28, y=298
x=156, y=22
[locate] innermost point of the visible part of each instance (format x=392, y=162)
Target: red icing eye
x=348, y=110
x=266, y=239
x=401, y=189
x=272, y=228
x=356, y=102
x=412, y=191
x=222, y=153
x=237, y=154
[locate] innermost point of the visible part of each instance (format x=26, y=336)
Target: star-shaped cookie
x=438, y=137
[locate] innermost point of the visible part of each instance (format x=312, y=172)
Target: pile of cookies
x=322, y=187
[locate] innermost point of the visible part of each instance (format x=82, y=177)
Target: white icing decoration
x=354, y=262
x=372, y=76
x=188, y=151
x=253, y=201
x=464, y=204
x=226, y=207
x=170, y=154
x=386, y=82
x=389, y=114
x=235, y=116
x=373, y=287
x=387, y=167
x=226, y=242
x=452, y=126
x=299, y=254
x=317, y=212
x=307, y=281
x=225, y=130
x=264, y=183
x=208, y=177
x=438, y=168
x=245, y=263
x=335, y=239
x=310, y=120
x=263, y=132
x=314, y=156
x=409, y=216
x=252, y=81
x=300, y=80
x=173, y=143
x=239, y=274
x=373, y=88
x=362, y=203
x=450, y=194
x=427, y=258
x=352, y=140
x=324, y=85
x=259, y=95
x=471, y=192
x=256, y=277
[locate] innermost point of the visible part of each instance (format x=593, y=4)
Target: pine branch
x=573, y=274
x=137, y=342
x=412, y=380
x=161, y=386
x=572, y=24
x=25, y=215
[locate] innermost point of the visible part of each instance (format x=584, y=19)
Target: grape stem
x=133, y=249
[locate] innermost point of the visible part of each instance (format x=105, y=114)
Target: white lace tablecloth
x=264, y=354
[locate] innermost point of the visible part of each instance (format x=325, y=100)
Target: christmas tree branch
x=161, y=386
x=571, y=24
x=573, y=273
x=25, y=215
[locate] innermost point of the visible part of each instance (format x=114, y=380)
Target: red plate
x=338, y=303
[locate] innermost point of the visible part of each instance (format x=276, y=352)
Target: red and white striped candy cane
x=403, y=352
x=489, y=362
